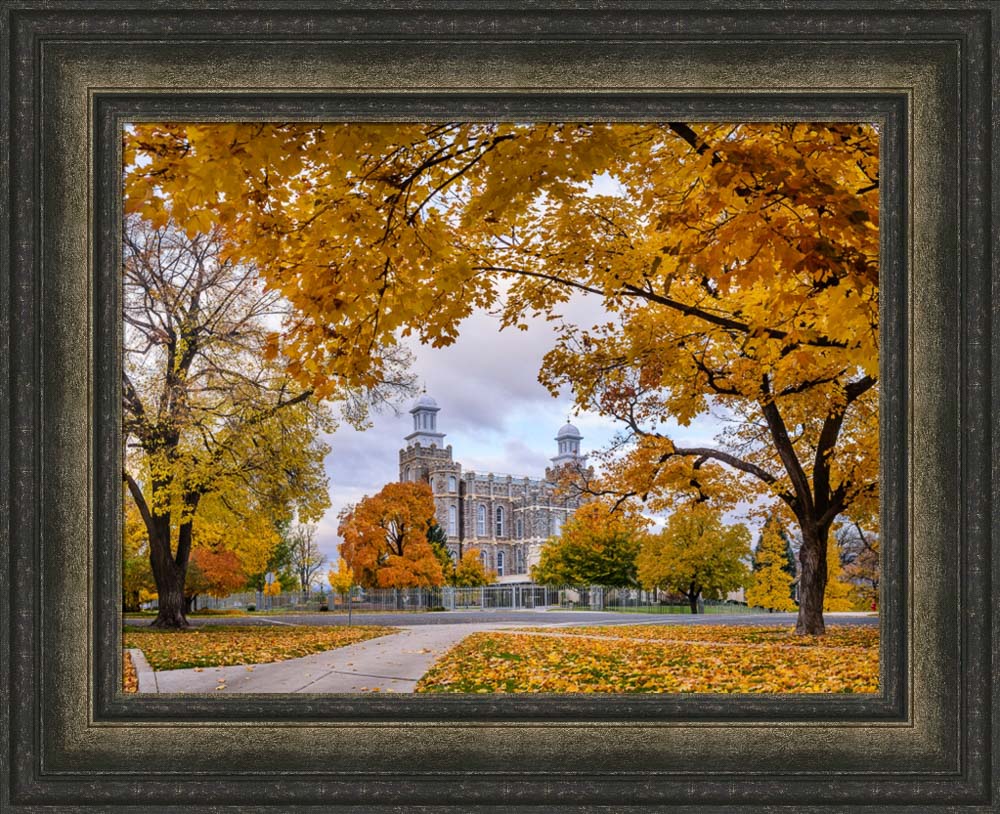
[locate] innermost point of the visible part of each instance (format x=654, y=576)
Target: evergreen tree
x=439, y=544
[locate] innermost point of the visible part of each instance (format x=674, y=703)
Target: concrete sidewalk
x=391, y=663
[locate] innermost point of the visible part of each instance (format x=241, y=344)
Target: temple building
x=506, y=517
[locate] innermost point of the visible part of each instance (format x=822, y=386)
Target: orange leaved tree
x=385, y=538
x=217, y=573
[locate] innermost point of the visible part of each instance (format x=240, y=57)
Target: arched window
x=453, y=520
x=453, y=553
x=519, y=559
x=556, y=525
x=452, y=483
x=519, y=527
x=484, y=559
x=499, y=523
x=481, y=521
x=500, y=559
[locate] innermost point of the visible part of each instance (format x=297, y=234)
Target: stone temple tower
x=424, y=412
x=568, y=438
x=425, y=452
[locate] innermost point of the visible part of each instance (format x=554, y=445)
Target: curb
x=145, y=674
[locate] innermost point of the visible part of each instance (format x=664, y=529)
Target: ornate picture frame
x=76, y=73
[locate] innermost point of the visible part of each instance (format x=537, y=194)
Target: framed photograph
x=234, y=234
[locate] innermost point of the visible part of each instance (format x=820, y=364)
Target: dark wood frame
x=75, y=71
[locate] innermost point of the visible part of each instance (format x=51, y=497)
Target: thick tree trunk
x=170, y=590
x=812, y=581
x=693, y=600
x=169, y=574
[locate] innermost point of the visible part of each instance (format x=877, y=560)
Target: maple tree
x=471, y=572
x=696, y=555
x=343, y=582
x=771, y=583
x=596, y=546
x=738, y=264
x=341, y=578
x=217, y=573
x=218, y=437
x=385, y=538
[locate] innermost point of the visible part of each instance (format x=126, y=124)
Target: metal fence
x=489, y=597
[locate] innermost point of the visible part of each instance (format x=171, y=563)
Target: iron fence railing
x=488, y=597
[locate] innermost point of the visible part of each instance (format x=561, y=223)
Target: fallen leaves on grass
x=130, y=679
x=863, y=636
x=220, y=646
x=640, y=658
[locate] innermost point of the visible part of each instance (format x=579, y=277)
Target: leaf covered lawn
x=660, y=659
x=130, y=679
x=222, y=646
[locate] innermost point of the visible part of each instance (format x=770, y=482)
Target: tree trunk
x=170, y=590
x=812, y=580
x=169, y=575
x=693, y=600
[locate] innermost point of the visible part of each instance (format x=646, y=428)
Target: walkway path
x=391, y=663
x=396, y=662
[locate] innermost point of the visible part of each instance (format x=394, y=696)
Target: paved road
x=519, y=617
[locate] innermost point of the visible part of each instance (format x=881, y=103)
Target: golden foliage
x=471, y=572
x=597, y=546
x=342, y=578
x=221, y=445
x=771, y=584
x=838, y=595
x=224, y=645
x=696, y=554
x=660, y=659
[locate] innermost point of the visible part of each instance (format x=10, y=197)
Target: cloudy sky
x=495, y=414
